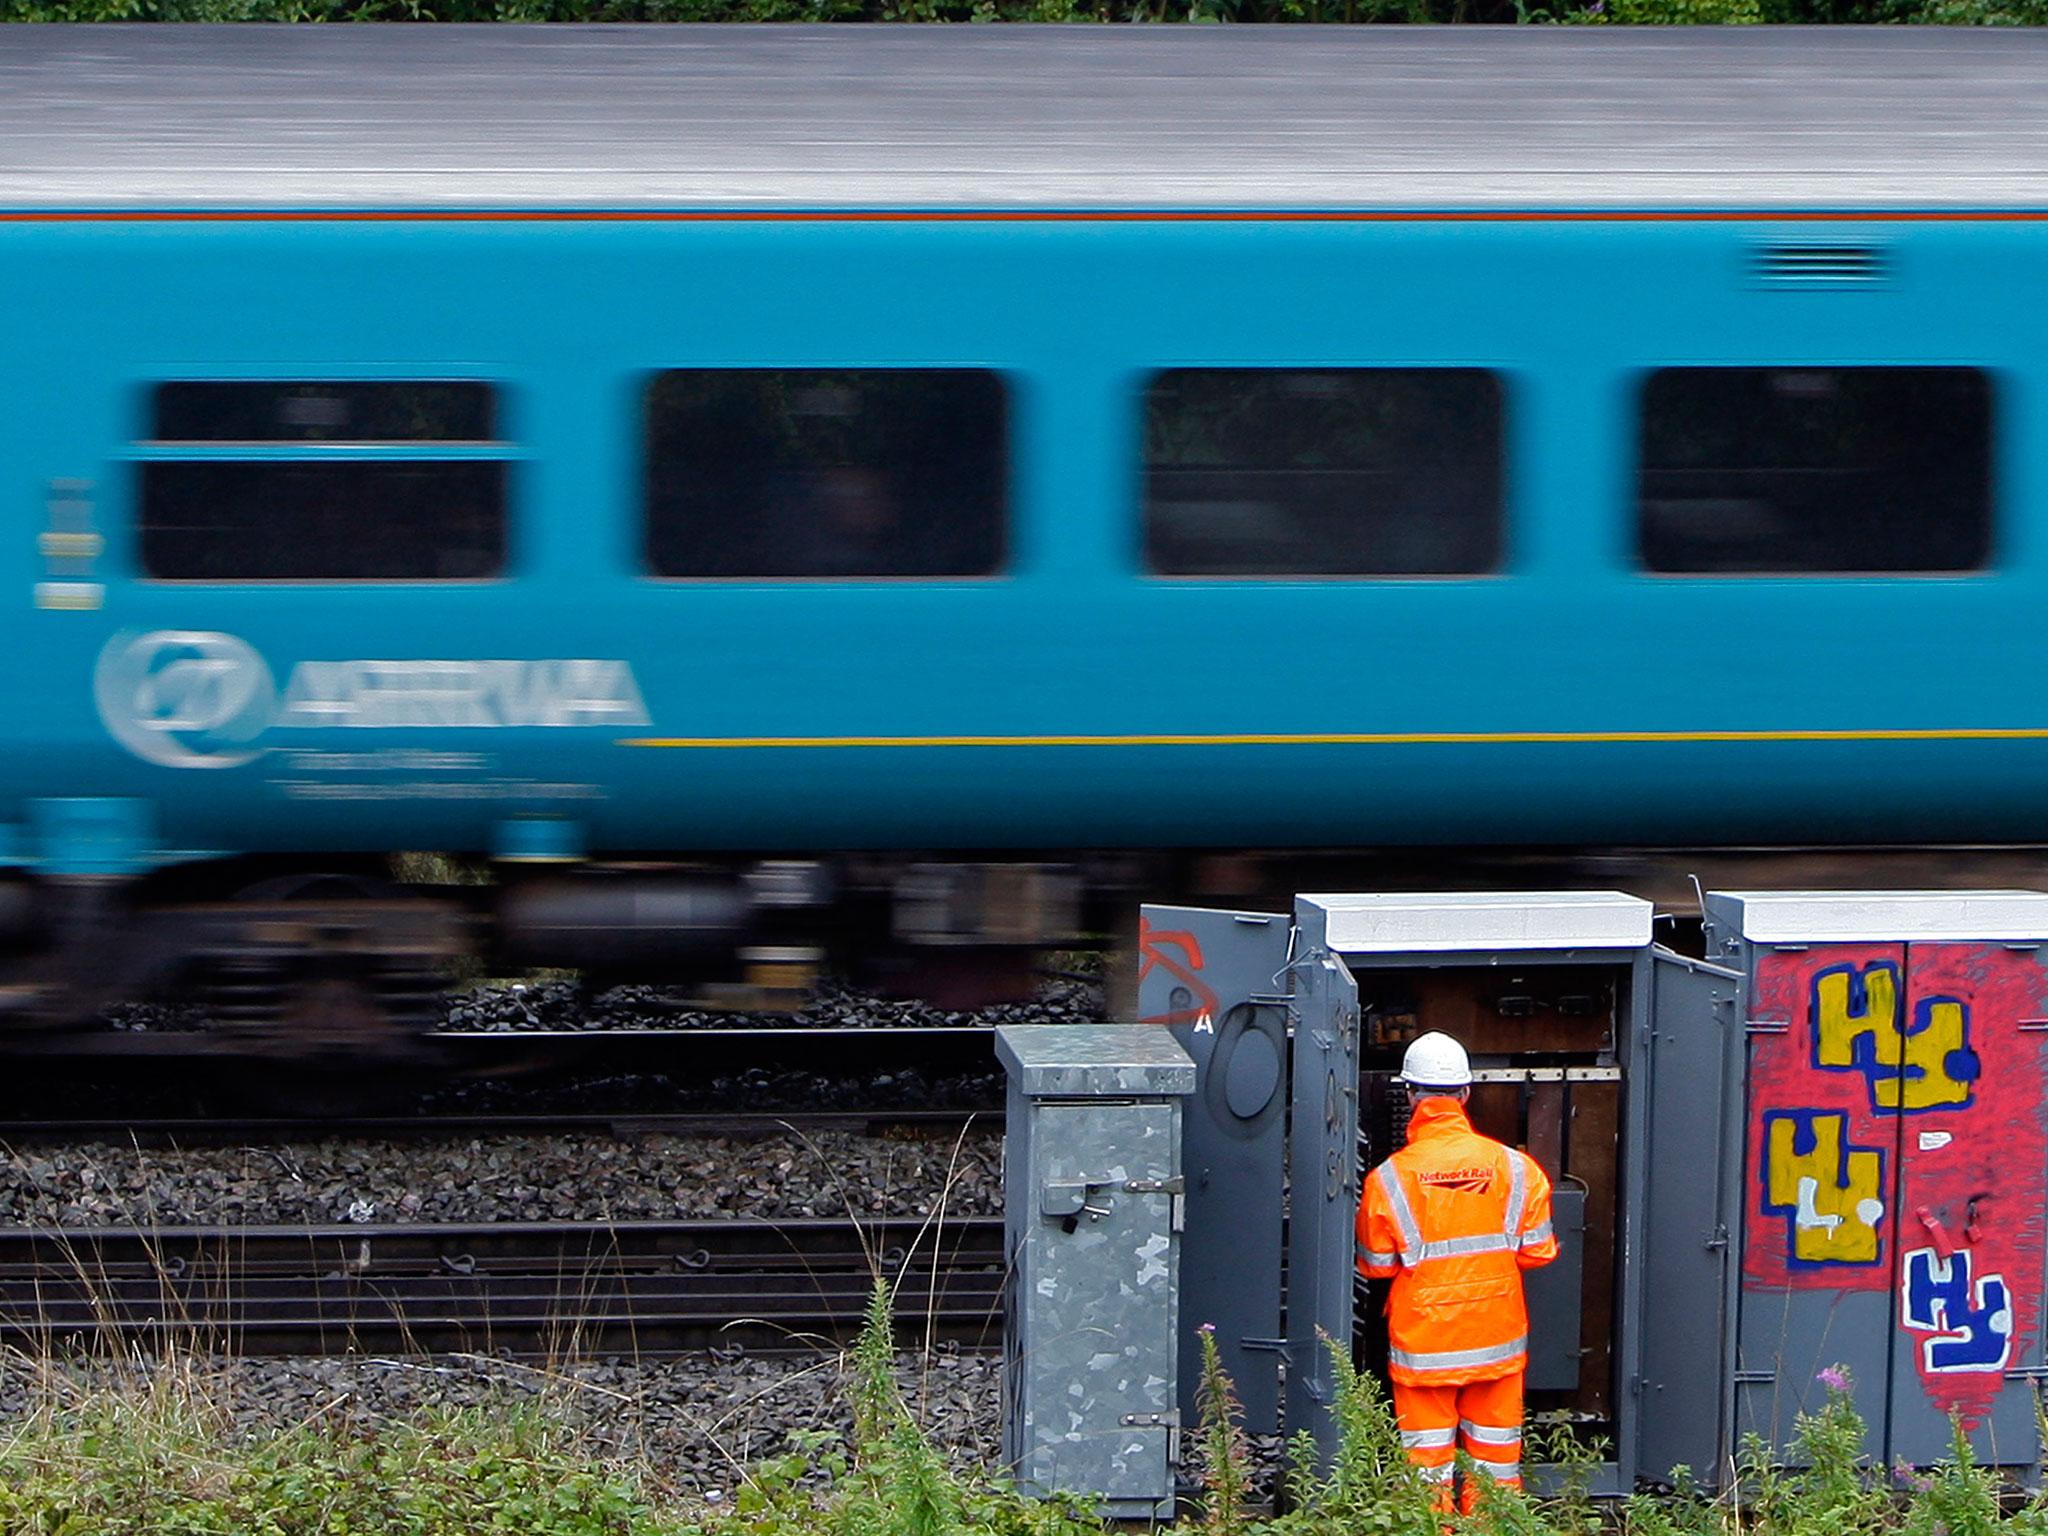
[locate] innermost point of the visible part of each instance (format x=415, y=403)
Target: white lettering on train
x=455, y=695
x=199, y=699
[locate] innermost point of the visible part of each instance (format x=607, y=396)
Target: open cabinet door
x=1898, y=1163
x=1689, y=1065
x=1820, y=1232
x=1217, y=980
x=1967, y=1075
x=1322, y=1250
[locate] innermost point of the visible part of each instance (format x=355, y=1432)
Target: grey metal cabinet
x=1093, y=1198
x=1600, y=1052
x=1893, y=1141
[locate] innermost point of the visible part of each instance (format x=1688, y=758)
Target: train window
x=259, y=411
x=344, y=521
x=357, y=481
x=1254, y=472
x=785, y=473
x=1815, y=470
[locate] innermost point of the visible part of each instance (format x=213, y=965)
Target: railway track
x=966, y=1047
x=550, y=1289
x=201, y=1131
x=692, y=1067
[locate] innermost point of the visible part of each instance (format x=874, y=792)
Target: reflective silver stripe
x=1440, y=1474
x=1404, y=1218
x=1540, y=1233
x=1378, y=1260
x=1453, y=1247
x=1486, y=1434
x=1458, y=1359
x=1518, y=1195
x=1499, y=1471
x=1429, y=1439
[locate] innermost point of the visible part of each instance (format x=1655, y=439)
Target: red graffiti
x=1154, y=949
x=1898, y=1143
x=1972, y=1180
x=1804, y=1222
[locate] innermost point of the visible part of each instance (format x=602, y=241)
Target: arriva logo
x=198, y=699
x=184, y=698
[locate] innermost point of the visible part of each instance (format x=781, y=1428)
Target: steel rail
x=531, y=1288
x=972, y=1043
x=189, y=1131
x=224, y=1069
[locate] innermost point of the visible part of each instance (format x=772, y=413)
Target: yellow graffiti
x=1905, y=1071
x=1832, y=1196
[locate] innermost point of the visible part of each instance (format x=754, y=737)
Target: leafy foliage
x=157, y=1458
x=1226, y=1471
x=1371, y=1488
x=1597, y=12
x=154, y=1456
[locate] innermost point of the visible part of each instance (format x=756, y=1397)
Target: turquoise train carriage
x=936, y=483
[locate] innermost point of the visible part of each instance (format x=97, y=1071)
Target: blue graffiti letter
x=1972, y=1321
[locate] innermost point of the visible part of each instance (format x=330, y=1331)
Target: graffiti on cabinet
x=1919, y=1065
x=1897, y=1145
x=1968, y=1319
x=1178, y=953
x=1829, y=1190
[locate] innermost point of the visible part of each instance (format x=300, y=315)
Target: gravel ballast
x=504, y=1178
x=512, y=1006
x=696, y=1421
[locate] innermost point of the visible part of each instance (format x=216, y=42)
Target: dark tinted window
x=347, y=520
x=786, y=473
x=259, y=412
x=1323, y=472
x=1816, y=469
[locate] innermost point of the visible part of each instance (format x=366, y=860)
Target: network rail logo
x=187, y=698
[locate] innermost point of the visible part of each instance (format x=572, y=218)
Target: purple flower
x=1905, y=1476
x=1834, y=1377
x=1206, y=1329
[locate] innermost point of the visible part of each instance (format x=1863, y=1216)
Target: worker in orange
x=1453, y=1219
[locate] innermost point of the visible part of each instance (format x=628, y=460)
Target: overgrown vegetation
x=152, y=1453
x=1832, y=1488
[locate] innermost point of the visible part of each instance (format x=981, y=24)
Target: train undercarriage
x=354, y=960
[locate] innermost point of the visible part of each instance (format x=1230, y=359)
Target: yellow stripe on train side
x=1344, y=739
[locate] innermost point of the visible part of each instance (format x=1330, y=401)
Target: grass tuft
x=149, y=1453
x=148, y=1448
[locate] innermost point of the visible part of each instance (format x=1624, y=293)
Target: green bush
x=152, y=1455
x=1603, y=12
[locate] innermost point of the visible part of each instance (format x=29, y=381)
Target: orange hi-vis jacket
x=1453, y=1219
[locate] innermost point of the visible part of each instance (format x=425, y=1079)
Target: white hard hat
x=1435, y=1060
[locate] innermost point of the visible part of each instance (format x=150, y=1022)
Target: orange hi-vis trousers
x=1482, y=1418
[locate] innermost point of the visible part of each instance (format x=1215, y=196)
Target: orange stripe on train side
x=1019, y=216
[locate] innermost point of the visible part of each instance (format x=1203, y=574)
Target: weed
x=151, y=1451
x=1226, y=1466
x=1371, y=1488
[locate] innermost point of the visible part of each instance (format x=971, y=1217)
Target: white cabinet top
x=1480, y=921
x=1820, y=917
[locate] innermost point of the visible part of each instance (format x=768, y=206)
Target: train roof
x=1021, y=118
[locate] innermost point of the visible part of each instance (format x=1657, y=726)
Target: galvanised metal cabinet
x=1893, y=1138
x=1092, y=1196
x=1596, y=1049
